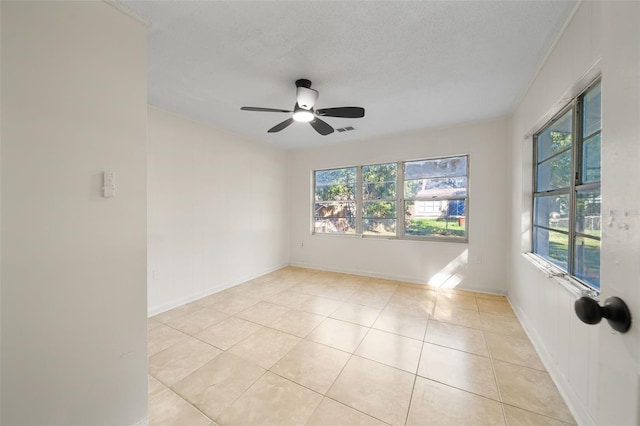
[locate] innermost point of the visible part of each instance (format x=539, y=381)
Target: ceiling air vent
x=345, y=129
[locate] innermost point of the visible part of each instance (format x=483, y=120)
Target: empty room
x=319, y=213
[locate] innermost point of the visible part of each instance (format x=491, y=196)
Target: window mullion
x=593, y=237
x=359, y=198
x=575, y=179
x=559, y=231
x=559, y=191
x=534, y=189
x=400, y=213
x=591, y=185
x=313, y=203
x=557, y=154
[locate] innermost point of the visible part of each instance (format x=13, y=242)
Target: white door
x=619, y=354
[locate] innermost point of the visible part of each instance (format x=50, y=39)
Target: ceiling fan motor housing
x=306, y=97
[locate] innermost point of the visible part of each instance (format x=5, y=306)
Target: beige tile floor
x=304, y=347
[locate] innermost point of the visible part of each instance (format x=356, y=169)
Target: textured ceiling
x=411, y=65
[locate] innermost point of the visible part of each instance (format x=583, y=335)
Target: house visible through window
x=366, y=199
x=566, y=200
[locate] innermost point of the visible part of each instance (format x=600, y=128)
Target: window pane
x=552, y=212
x=452, y=166
x=556, y=137
x=379, y=172
x=379, y=209
x=379, y=227
x=592, y=112
x=555, y=173
x=426, y=208
x=335, y=226
x=335, y=193
x=434, y=188
x=379, y=218
x=443, y=218
x=336, y=176
x=591, y=159
x=379, y=181
x=336, y=184
x=325, y=210
x=377, y=191
x=588, y=212
x=587, y=261
x=553, y=246
x=336, y=217
x=455, y=208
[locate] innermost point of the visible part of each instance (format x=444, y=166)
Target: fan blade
x=345, y=112
x=264, y=109
x=321, y=127
x=286, y=123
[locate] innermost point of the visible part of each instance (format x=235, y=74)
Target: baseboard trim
x=578, y=410
x=143, y=422
x=408, y=279
x=155, y=310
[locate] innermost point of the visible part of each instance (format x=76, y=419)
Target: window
x=335, y=201
x=566, y=199
x=365, y=200
x=379, y=199
x=435, y=196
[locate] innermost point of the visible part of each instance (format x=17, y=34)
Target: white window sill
x=569, y=283
x=394, y=238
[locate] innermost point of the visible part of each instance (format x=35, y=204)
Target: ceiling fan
x=303, y=110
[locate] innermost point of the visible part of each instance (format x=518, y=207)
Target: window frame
x=399, y=201
x=576, y=183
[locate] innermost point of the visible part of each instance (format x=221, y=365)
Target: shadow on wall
x=452, y=274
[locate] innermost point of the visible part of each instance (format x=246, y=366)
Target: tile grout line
x=415, y=376
x=249, y=387
x=241, y=394
x=170, y=389
x=539, y=414
x=351, y=355
x=326, y=395
x=323, y=395
x=455, y=387
x=459, y=389
x=355, y=409
x=495, y=379
x=223, y=351
x=285, y=378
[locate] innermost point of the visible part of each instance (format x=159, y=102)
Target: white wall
x=217, y=210
x=597, y=371
x=0, y=229
x=73, y=263
x=478, y=265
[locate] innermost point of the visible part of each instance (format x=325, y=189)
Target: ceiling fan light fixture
x=303, y=115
